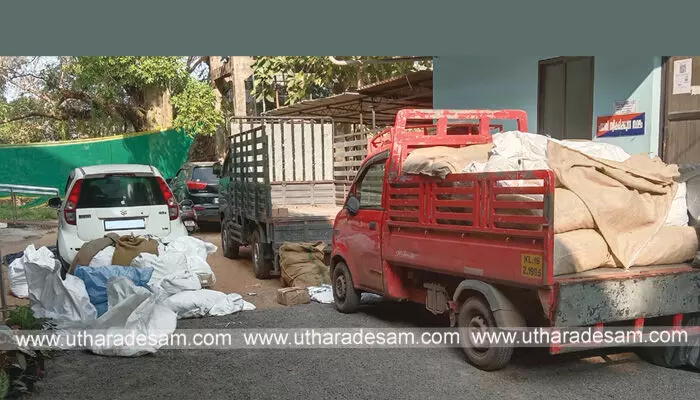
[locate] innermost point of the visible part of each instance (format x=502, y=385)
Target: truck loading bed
x=325, y=211
x=614, y=294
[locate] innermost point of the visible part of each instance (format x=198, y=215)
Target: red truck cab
x=449, y=244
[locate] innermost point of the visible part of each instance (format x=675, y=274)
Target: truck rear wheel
x=230, y=247
x=475, y=314
x=345, y=297
x=261, y=266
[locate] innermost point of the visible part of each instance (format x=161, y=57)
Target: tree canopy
x=56, y=98
x=304, y=77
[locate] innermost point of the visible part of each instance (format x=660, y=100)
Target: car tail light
x=192, y=185
x=173, y=208
x=72, y=203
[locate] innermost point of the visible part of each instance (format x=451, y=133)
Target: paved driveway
x=353, y=373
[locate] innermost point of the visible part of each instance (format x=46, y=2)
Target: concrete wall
x=511, y=82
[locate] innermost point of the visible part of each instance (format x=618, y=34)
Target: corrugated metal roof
x=380, y=100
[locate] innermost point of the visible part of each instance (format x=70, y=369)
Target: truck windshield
x=204, y=174
x=120, y=191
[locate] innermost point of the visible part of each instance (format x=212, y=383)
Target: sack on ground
x=64, y=301
x=103, y=258
x=129, y=247
x=133, y=311
x=579, y=251
x=441, y=160
x=302, y=265
x=672, y=245
x=16, y=274
x=570, y=212
x=205, y=302
x=96, y=281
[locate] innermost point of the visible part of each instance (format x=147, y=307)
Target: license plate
x=531, y=265
x=122, y=224
x=189, y=223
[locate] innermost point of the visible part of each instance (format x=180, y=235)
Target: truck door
x=364, y=228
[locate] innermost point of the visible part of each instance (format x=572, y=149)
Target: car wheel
x=475, y=314
x=345, y=296
x=230, y=247
x=261, y=266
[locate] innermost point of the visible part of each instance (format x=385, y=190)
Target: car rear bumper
x=69, y=243
x=209, y=214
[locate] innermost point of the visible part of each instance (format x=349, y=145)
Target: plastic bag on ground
x=96, y=279
x=184, y=254
x=166, y=264
x=65, y=301
x=133, y=311
x=16, y=274
x=103, y=258
x=321, y=294
x=205, y=302
x=178, y=283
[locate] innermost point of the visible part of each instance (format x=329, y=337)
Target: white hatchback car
x=121, y=198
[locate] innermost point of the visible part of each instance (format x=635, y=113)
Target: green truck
x=276, y=186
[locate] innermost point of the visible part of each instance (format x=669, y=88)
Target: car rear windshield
x=204, y=174
x=120, y=191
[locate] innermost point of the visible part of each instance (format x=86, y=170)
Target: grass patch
x=41, y=213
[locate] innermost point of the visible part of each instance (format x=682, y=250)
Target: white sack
x=678, y=213
x=205, y=302
x=164, y=265
x=596, y=149
x=16, y=275
x=103, y=258
x=133, y=312
x=188, y=244
x=64, y=301
x=177, y=283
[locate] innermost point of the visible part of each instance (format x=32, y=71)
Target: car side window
x=370, y=186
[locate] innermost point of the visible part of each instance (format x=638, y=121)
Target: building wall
x=511, y=82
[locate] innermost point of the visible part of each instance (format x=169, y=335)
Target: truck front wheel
x=261, y=266
x=475, y=315
x=345, y=297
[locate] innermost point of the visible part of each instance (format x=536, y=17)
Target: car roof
x=117, y=169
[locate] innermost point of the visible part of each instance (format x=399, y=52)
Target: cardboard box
x=292, y=296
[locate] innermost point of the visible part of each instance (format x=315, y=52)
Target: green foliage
x=306, y=75
x=194, y=108
x=23, y=317
x=76, y=97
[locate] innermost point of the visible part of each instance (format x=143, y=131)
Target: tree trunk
x=159, y=108
x=203, y=148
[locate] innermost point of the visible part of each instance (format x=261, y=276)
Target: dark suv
x=196, y=181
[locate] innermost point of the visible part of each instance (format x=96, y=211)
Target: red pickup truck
x=453, y=245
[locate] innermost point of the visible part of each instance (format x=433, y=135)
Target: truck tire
x=345, y=297
x=261, y=266
x=475, y=313
x=229, y=246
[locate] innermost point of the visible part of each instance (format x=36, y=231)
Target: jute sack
x=441, y=160
x=570, y=212
x=301, y=264
x=672, y=245
x=580, y=250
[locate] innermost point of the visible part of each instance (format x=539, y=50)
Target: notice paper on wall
x=625, y=107
x=682, y=75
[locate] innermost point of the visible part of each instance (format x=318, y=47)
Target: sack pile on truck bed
x=610, y=209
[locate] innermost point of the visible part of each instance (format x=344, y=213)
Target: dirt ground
x=232, y=276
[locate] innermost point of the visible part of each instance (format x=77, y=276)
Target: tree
x=58, y=97
x=305, y=76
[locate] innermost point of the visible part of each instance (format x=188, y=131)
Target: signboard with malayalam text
x=620, y=125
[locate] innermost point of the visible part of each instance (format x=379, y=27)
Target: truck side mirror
x=54, y=202
x=352, y=205
x=216, y=169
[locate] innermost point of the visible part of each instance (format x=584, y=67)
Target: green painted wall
x=48, y=164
